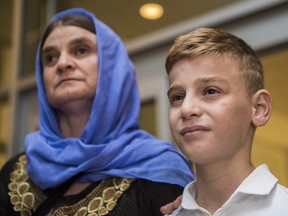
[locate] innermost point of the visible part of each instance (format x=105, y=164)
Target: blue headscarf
x=111, y=144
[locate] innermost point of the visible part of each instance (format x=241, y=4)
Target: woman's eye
x=50, y=59
x=81, y=51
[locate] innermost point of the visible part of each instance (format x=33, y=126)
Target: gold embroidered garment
x=27, y=197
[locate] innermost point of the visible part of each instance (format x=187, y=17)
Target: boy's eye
x=210, y=91
x=176, y=99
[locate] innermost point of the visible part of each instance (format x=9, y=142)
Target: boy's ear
x=262, y=107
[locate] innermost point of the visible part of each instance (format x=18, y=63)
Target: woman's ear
x=262, y=107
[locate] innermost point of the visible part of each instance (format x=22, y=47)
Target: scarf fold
x=111, y=144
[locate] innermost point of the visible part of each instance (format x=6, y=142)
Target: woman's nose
x=65, y=62
x=190, y=107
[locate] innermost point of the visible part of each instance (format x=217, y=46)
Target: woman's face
x=70, y=66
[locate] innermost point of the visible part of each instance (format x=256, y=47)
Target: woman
x=89, y=156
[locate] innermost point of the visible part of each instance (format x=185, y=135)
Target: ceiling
x=123, y=16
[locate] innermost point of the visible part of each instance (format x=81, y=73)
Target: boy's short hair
x=206, y=41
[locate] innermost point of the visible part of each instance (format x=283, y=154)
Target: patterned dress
x=112, y=196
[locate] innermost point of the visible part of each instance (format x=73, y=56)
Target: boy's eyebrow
x=173, y=88
x=214, y=79
x=205, y=80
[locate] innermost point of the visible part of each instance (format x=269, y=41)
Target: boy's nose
x=190, y=107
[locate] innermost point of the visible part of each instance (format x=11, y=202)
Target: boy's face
x=210, y=110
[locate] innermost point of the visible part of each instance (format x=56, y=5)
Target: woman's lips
x=66, y=80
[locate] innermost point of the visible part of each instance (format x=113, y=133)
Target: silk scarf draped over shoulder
x=111, y=143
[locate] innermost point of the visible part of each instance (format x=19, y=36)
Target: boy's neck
x=214, y=185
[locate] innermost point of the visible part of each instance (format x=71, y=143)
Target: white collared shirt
x=258, y=195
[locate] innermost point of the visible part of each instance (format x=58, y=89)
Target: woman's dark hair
x=69, y=20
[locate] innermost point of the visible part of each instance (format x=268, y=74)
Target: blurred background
x=261, y=23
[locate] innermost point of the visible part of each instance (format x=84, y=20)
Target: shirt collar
x=253, y=184
x=189, y=194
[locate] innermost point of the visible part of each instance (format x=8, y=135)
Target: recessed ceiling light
x=151, y=11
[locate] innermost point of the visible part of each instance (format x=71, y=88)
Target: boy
x=217, y=100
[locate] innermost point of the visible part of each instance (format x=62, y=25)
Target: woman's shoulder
x=156, y=186
x=144, y=197
x=158, y=190
x=153, y=195
x=9, y=166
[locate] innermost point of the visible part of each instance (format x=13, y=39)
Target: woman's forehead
x=64, y=34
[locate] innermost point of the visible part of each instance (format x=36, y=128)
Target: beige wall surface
x=271, y=141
